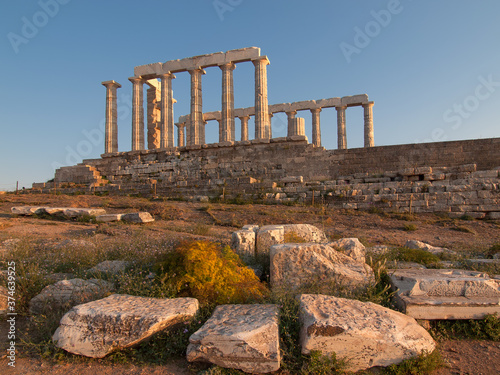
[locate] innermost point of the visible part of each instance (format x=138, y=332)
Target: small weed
x=413, y=255
x=466, y=217
x=495, y=249
x=319, y=364
x=484, y=329
x=86, y=218
x=410, y=228
x=201, y=229
x=463, y=229
x=424, y=363
x=292, y=237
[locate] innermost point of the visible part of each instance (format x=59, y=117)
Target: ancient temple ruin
x=191, y=128
x=459, y=177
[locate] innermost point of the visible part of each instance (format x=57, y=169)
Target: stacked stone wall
x=457, y=177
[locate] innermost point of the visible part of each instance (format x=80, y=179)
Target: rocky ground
x=176, y=220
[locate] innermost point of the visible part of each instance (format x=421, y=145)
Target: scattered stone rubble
x=446, y=294
x=100, y=214
x=253, y=240
x=363, y=333
x=243, y=337
x=98, y=328
x=418, y=245
x=110, y=267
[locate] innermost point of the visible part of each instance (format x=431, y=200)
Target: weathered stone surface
x=307, y=232
x=97, y=328
x=244, y=337
x=243, y=243
x=267, y=236
x=418, y=245
x=364, y=333
x=68, y=293
x=78, y=212
x=138, y=217
x=350, y=247
x=446, y=293
x=24, y=210
x=296, y=265
x=109, y=218
x=294, y=179
x=110, y=266
x=4, y=298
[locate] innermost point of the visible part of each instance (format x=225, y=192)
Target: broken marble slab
x=445, y=293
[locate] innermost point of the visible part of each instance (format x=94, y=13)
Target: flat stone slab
x=138, y=217
x=446, y=293
x=110, y=266
x=244, y=337
x=107, y=218
x=70, y=212
x=363, y=333
x=98, y=328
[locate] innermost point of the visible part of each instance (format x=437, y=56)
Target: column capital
x=227, y=66
x=262, y=60
x=316, y=110
x=244, y=117
x=368, y=105
x=291, y=112
x=167, y=75
x=111, y=84
x=199, y=69
x=180, y=124
x=136, y=80
x=340, y=108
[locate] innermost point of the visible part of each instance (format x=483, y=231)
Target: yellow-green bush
x=210, y=272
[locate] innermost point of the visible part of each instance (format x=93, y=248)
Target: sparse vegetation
x=410, y=228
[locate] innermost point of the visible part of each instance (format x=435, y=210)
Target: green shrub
x=410, y=228
x=319, y=364
x=211, y=273
x=413, y=255
x=425, y=363
x=484, y=329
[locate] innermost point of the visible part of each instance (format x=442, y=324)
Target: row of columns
x=195, y=130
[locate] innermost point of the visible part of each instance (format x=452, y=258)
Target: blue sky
x=432, y=68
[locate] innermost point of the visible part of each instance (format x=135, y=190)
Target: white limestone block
x=363, y=333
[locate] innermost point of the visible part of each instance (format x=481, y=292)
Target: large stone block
x=446, y=293
x=98, y=328
x=297, y=265
x=243, y=243
x=350, y=247
x=267, y=236
x=306, y=232
x=363, y=333
x=243, y=337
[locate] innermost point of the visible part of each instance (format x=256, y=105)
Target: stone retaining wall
x=459, y=176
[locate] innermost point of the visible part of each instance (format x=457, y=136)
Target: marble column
x=137, y=113
x=196, y=118
x=244, y=127
x=227, y=130
x=369, y=136
x=316, y=127
x=269, y=133
x=111, y=131
x=181, y=134
x=261, y=103
x=167, y=111
x=291, y=117
x=341, y=133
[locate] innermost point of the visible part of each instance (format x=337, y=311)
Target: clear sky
x=432, y=68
